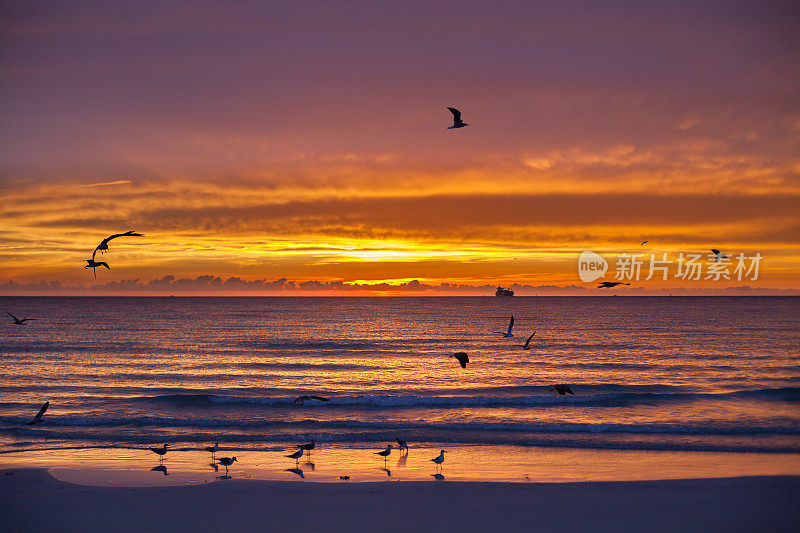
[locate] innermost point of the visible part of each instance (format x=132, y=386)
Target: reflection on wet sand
x=296, y=471
x=160, y=468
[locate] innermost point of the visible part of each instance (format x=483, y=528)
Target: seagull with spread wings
x=103, y=246
x=38, y=417
x=510, y=326
x=527, y=344
x=457, y=122
x=91, y=263
x=20, y=321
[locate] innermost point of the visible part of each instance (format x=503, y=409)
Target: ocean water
x=674, y=374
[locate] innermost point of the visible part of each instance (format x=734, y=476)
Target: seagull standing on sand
x=296, y=455
x=20, y=321
x=226, y=462
x=562, y=389
x=401, y=445
x=462, y=357
x=510, y=325
x=457, y=122
x=526, y=346
x=385, y=454
x=160, y=451
x=213, y=449
x=309, y=446
x=718, y=255
x=439, y=460
x=38, y=417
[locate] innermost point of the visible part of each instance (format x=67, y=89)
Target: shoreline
x=32, y=499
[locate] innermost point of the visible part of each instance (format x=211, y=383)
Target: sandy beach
x=32, y=500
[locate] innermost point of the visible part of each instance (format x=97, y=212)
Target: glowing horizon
x=243, y=149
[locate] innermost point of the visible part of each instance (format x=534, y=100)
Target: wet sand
x=32, y=500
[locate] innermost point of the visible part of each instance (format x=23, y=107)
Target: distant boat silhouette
x=501, y=291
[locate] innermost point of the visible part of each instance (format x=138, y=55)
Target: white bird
x=160, y=451
x=462, y=357
x=507, y=333
x=457, y=122
x=526, y=346
x=385, y=453
x=440, y=459
x=20, y=321
x=718, y=255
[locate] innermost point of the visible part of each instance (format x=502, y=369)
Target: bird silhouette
x=457, y=122
x=609, y=284
x=718, y=255
x=20, y=321
x=527, y=346
x=94, y=264
x=160, y=451
x=305, y=398
x=562, y=389
x=462, y=357
x=38, y=417
x=103, y=246
x=510, y=326
x=440, y=459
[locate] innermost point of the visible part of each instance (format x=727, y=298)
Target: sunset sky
x=307, y=141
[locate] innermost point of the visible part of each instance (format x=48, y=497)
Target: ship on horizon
x=501, y=291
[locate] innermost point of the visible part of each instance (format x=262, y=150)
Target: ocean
x=649, y=373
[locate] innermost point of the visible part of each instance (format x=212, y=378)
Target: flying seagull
x=91, y=263
x=526, y=346
x=38, y=417
x=160, y=451
x=562, y=389
x=440, y=459
x=20, y=321
x=718, y=255
x=103, y=246
x=462, y=357
x=609, y=284
x=457, y=122
x=302, y=399
x=507, y=333
x=643, y=243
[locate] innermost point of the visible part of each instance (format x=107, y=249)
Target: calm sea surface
x=694, y=374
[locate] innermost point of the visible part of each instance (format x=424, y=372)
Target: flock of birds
x=402, y=446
